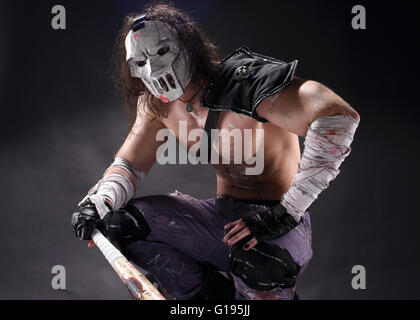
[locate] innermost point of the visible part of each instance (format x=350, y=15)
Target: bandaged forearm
x=327, y=144
x=115, y=188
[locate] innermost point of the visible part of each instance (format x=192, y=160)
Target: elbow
x=339, y=109
x=324, y=102
x=343, y=108
x=355, y=115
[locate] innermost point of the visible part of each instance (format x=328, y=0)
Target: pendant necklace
x=189, y=106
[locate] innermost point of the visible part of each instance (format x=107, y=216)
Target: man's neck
x=193, y=93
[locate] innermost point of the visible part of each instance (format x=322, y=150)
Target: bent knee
x=126, y=225
x=265, y=267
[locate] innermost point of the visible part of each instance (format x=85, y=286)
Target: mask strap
x=139, y=23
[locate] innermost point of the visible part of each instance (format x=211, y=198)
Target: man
x=257, y=229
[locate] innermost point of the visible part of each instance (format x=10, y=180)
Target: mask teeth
x=170, y=80
x=163, y=84
x=157, y=87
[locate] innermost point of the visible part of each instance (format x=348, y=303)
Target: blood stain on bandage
x=331, y=132
x=334, y=150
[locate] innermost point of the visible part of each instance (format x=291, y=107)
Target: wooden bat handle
x=138, y=285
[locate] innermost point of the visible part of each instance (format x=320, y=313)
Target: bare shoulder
x=145, y=117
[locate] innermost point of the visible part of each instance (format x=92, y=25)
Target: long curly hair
x=203, y=55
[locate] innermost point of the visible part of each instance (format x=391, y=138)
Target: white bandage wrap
x=327, y=144
x=115, y=187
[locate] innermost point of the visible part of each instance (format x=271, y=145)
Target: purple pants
x=186, y=232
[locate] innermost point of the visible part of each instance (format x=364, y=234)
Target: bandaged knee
x=327, y=144
x=115, y=188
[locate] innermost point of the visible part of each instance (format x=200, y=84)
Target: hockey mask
x=154, y=55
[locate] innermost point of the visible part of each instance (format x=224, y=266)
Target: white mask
x=155, y=56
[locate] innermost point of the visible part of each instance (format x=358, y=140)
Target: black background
x=62, y=121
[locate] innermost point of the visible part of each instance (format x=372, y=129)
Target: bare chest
x=235, y=140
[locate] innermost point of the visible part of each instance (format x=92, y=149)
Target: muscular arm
x=122, y=179
x=328, y=123
x=136, y=156
x=297, y=106
x=140, y=146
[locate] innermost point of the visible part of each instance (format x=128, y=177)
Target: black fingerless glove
x=86, y=220
x=271, y=224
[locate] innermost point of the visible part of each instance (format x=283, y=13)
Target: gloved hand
x=271, y=224
x=261, y=226
x=85, y=220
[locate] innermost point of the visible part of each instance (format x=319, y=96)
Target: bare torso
x=280, y=149
x=290, y=112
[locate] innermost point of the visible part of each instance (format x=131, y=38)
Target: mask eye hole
x=163, y=50
x=141, y=63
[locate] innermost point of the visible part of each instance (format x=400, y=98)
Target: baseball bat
x=137, y=284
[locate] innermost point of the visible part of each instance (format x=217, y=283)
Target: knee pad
x=265, y=267
x=125, y=225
